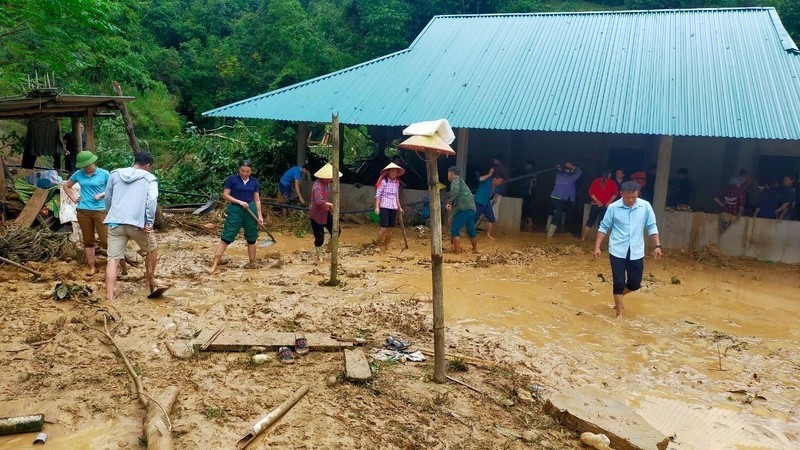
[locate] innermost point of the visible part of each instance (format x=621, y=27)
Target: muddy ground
x=707, y=352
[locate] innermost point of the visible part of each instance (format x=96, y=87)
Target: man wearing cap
x=462, y=204
x=91, y=209
x=625, y=222
x=387, y=201
x=131, y=199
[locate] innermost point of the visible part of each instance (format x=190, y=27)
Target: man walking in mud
x=131, y=197
x=625, y=222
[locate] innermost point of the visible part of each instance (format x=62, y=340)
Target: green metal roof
x=700, y=72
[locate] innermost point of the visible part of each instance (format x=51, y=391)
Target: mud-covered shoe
x=300, y=344
x=285, y=355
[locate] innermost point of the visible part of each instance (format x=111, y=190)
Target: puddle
x=109, y=435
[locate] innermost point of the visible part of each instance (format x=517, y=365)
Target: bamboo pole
x=271, y=418
x=432, y=165
x=335, y=194
x=126, y=119
x=20, y=266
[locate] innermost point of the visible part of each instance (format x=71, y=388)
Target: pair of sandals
x=300, y=347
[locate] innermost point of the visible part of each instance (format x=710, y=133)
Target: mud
x=715, y=353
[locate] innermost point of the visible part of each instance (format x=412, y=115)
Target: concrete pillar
x=302, y=141
x=662, y=174
x=462, y=150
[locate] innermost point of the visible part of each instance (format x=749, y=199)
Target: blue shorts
x=486, y=210
x=286, y=191
x=465, y=217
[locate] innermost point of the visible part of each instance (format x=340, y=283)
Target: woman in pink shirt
x=320, y=215
x=387, y=201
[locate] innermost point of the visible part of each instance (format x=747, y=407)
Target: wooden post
x=662, y=175
x=126, y=119
x=462, y=150
x=302, y=142
x=76, y=134
x=432, y=165
x=336, y=139
x=89, y=127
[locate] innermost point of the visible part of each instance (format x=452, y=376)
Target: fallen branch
x=20, y=266
x=454, y=380
x=271, y=418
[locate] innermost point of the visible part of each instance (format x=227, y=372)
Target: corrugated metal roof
x=21, y=107
x=702, y=72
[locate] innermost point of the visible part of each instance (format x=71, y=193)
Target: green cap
x=84, y=159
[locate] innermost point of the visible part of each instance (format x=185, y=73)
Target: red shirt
x=603, y=193
x=733, y=199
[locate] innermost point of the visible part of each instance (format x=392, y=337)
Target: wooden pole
x=126, y=119
x=76, y=134
x=89, y=127
x=432, y=165
x=662, y=175
x=268, y=420
x=336, y=137
x=21, y=267
x=302, y=142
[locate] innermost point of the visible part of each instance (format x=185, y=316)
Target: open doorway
x=628, y=159
x=771, y=168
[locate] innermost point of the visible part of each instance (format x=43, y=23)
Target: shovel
x=209, y=206
x=271, y=239
x=403, y=227
x=154, y=293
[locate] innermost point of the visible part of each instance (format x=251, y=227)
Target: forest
x=180, y=58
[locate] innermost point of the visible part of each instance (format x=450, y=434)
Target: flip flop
x=285, y=355
x=300, y=344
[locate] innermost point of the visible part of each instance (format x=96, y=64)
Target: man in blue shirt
x=487, y=188
x=625, y=222
x=291, y=179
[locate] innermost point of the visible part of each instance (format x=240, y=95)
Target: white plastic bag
x=68, y=210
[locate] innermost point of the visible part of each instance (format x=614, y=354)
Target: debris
x=21, y=424
x=598, y=441
x=67, y=291
x=41, y=438
x=271, y=418
x=454, y=380
x=259, y=359
x=590, y=409
x=212, y=338
x=32, y=208
x=35, y=274
x=235, y=341
x=356, y=366
x=530, y=436
x=180, y=349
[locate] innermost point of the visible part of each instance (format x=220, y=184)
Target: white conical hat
x=421, y=143
x=326, y=172
x=393, y=166
x=431, y=127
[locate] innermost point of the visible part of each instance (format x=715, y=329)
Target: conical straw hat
x=423, y=143
x=326, y=172
x=392, y=166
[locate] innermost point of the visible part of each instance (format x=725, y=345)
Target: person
x=528, y=193
x=679, y=190
x=501, y=191
x=387, y=201
x=321, y=215
x=640, y=178
x=71, y=147
x=769, y=201
x=461, y=204
x=619, y=178
x=788, y=199
x=625, y=222
x=131, y=199
x=91, y=209
x=563, y=193
x=291, y=179
x=241, y=190
x=488, y=185
x=732, y=200
x=603, y=191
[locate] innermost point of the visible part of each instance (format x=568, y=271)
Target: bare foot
x=251, y=265
x=212, y=269
x=92, y=271
x=490, y=236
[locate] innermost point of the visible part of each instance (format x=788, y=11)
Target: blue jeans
x=465, y=217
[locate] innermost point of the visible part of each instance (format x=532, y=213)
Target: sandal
x=301, y=344
x=285, y=355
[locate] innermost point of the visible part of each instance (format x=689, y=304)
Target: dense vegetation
x=183, y=57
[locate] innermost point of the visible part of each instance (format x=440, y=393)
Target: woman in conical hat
x=320, y=215
x=387, y=201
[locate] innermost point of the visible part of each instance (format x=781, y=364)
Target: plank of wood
x=590, y=409
x=356, y=366
x=32, y=208
x=241, y=341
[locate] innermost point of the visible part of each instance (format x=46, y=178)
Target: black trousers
x=29, y=160
x=319, y=230
x=622, y=266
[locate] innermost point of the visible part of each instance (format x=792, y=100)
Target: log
x=88, y=127
x=271, y=418
x=126, y=119
x=20, y=266
x=21, y=424
x=156, y=429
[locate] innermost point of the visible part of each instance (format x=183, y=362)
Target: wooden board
x=242, y=341
x=32, y=208
x=590, y=409
x=356, y=366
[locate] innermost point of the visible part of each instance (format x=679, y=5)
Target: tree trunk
x=126, y=118
x=432, y=164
